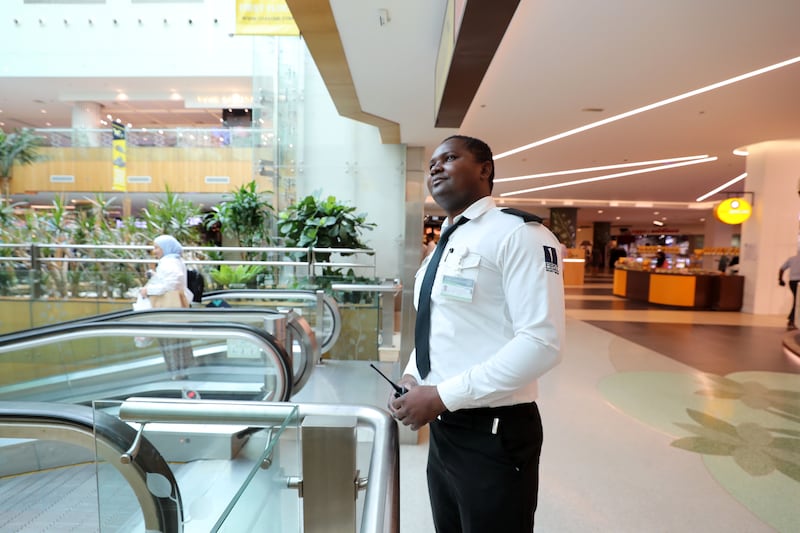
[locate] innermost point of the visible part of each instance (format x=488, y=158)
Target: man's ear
x=486, y=170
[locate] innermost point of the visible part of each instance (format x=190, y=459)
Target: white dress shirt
x=497, y=310
x=793, y=265
x=170, y=275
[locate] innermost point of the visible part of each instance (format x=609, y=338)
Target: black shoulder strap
x=527, y=217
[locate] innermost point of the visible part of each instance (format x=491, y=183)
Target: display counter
x=702, y=290
x=574, y=271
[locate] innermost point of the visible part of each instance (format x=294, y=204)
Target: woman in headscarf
x=167, y=289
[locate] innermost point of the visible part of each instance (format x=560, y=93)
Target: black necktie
x=422, y=329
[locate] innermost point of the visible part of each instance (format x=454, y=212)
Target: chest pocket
x=464, y=266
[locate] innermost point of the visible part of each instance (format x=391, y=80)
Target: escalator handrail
x=109, y=437
x=223, y=330
x=326, y=341
x=297, y=325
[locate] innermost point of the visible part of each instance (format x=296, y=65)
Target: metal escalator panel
x=80, y=363
x=64, y=471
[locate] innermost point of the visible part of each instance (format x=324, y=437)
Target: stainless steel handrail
x=321, y=301
x=381, y=513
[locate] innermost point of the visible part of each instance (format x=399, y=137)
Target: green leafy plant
x=19, y=147
x=323, y=224
x=227, y=275
x=172, y=216
x=246, y=215
x=314, y=222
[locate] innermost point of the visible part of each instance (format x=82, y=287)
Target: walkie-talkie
x=398, y=390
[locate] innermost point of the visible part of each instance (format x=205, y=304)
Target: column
x=564, y=223
x=771, y=234
x=601, y=236
x=86, y=118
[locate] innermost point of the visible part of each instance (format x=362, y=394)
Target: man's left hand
x=419, y=406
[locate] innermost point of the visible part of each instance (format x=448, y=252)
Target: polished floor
x=658, y=420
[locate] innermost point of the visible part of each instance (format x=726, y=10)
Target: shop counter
x=695, y=291
x=574, y=271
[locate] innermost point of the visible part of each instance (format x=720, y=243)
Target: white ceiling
x=559, y=63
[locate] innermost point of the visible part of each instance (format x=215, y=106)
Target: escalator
x=232, y=459
x=50, y=449
x=102, y=360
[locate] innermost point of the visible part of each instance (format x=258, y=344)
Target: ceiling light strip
x=606, y=167
x=649, y=107
x=737, y=179
x=611, y=176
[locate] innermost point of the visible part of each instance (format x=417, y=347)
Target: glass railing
x=43, y=284
x=286, y=475
x=169, y=138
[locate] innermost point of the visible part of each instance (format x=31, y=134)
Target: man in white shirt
x=496, y=323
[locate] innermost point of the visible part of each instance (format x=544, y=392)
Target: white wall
x=346, y=159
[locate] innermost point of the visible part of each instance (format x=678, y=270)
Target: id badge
x=458, y=288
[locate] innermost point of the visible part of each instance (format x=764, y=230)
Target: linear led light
x=606, y=167
x=612, y=176
x=737, y=179
x=650, y=107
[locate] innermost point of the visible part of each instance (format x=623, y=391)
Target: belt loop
x=495, y=425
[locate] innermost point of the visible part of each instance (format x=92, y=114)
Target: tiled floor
x=659, y=420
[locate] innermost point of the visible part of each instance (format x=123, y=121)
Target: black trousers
x=480, y=481
x=793, y=287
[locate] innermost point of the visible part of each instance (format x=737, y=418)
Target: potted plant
x=235, y=278
x=20, y=148
x=314, y=222
x=328, y=223
x=246, y=215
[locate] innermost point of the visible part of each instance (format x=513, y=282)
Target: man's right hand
x=407, y=382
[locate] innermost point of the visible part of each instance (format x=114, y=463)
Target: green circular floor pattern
x=746, y=426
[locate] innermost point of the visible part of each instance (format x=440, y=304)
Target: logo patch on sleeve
x=550, y=259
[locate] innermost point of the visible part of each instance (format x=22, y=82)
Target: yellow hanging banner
x=119, y=158
x=264, y=17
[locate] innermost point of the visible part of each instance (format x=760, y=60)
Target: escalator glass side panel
x=231, y=477
x=107, y=361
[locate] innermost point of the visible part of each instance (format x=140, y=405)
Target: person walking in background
x=167, y=289
x=490, y=321
x=793, y=266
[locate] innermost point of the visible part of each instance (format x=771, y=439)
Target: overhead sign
x=264, y=17
x=733, y=211
x=119, y=157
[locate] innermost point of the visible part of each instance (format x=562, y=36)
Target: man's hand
x=419, y=406
x=407, y=382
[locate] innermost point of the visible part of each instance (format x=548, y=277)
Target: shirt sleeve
x=167, y=277
x=533, y=288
